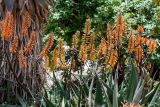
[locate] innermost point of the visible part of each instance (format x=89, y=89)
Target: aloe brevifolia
x=21, y=72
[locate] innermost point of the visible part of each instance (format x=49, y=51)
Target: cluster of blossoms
x=108, y=51
x=9, y=35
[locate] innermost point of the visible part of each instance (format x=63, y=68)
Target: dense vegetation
x=94, y=53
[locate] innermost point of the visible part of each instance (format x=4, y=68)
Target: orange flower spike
x=25, y=23
x=30, y=42
x=143, y=40
x=11, y=26
x=92, y=51
x=14, y=45
x=139, y=54
x=131, y=44
x=54, y=59
x=92, y=39
x=93, y=55
x=103, y=46
x=148, y=42
x=7, y=31
x=86, y=30
x=120, y=24
x=22, y=61
x=60, y=46
x=87, y=27
x=61, y=54
x=82, y=53
x=112, y=59
x=152, y=47
x=109, y=34
x=5, y=25
x=47, y=46
x=99, y=51
x=62, y=61
x=140, y=29
x=46, y=62
x=138, y=40
x=75, y=40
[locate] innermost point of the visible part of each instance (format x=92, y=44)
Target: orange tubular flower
x=109, y=34
x=119, y=30
x=11, y=26
x=139, y=54
x=87, y=27
x=138, y=40
x=48, y=45
x=30, y=42
x=75, y=40
x=25, y=23
x=46, y=62
x=152, y=47
x=120, y=24
x=5, y=30
x=140, y=29
x=61, y=54
x=63, y=64
x=8, y=26
x=112, y=60
x=82, y=53
x=86, y=31
x=102, y=49
x=22, y=61
x=92, y=54
x=13, y=47
x=148, y=42
x=60, y=46
x=103, y=46
x=54, y=59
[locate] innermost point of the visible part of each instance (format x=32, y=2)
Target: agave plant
x=22, y=73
